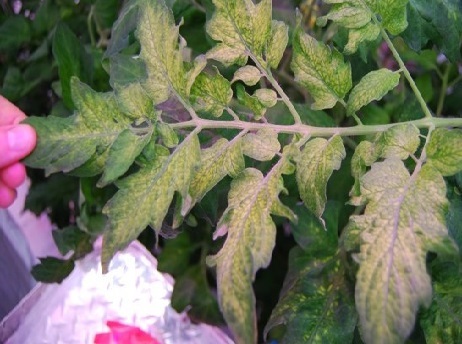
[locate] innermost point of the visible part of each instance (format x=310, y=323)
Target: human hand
x=16, y=142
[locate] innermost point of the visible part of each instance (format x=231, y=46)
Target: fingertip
x=7, y=196
x=13, y=175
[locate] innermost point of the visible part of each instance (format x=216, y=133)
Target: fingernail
x=18, y=138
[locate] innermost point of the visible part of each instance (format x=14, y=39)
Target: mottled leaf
x=122, y=154
x=221, y=159
x=373, y=86
x=251, y=102
x=135, y=102
x=262, y=146
x=315, y=305
x=321, y=70
x=318, y=159
x=144, y=198
x=442, y=321
x=169, y=137
x=240, y=27
x=444, y=151
x=66, y=143
x=277, y=43
x=249, y=75
x=403, y=219
x=248, y=246
x=160, y=51
x=266, y=96
x=399, y=141
x=211, y=94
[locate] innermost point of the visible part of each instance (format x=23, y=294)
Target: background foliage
x=44, y=44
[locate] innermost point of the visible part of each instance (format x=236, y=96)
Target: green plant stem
x=269, y=76
x=404, y=69
x=90, y=27
x=303, y=129
x=443, y=91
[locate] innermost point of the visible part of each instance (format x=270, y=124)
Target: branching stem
x=304, y=129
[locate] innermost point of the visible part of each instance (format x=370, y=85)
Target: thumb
x=16, y=142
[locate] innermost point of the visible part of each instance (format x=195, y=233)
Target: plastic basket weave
x=133, y=292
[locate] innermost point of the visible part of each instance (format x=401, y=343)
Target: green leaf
x=211, y=94
x=13, y=84
x=67, y=143
x=404, y=218
x=373, y=86
x=443, y=151
x=318, y=159
x=315, y=303
x=144, y=197
x=191, y=291
x=126, y=23
x=277, y=43
x=122, y=154
x=125, y=70
x=442, y=321
x=240, y=27
x=222, y=159
x=14, y=32
x=52, y=270
x=262, y=146
x=438, y=21
x=72, y=61
x=250, y=75
x=160, y=51
x=321, y=70
x=73, y=239
x=251, y=201
x=105, y=12
x=312, y=236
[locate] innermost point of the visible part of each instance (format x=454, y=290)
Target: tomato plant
x=330, y=131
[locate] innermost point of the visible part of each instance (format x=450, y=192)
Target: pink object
x=124, y=334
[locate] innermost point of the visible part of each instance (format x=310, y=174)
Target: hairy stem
x=404, y=69
x=303, y=129
x=269, y=76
